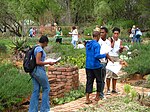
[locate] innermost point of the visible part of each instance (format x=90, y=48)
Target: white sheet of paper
x=114, y=67
x=52, y=60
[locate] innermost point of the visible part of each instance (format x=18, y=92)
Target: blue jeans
x=103, y=75
x=40, y=79
x=74, y=43
x=137, y=38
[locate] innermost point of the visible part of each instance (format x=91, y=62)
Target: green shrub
x=66, y=30
x=127, y=88
x=148, y=79
x=133, y=94
x=147, y=35
x=124, y=23
x=71, y=96
x=14, y=86
x=70, y=56
x=140, y=60
x=74, y=61
x=88, y=30
x=3, y=48
x=115, y=104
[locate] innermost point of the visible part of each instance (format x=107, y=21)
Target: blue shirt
x=93, y=55
x=40, y=49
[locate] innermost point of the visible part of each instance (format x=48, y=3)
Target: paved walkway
x=80, y=103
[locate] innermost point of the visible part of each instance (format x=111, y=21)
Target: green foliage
x=70, y=56
x=19, y=44
x=66, y=30
x=140, y=60
x=14, y=85
x=71, y=96
x=133, y=93
x=115, y=104
x=148, y=79
x=3, y=48
x=147, y=35
x=127, y=88
x=88, y=30
x=74, y=61
x=102, y=10
x=124, y=23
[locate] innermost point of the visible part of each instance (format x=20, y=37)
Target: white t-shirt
x=75, y=35
x=115, y=50
x=105, y=47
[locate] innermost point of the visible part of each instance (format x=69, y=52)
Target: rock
x=145, y=77
x=137, y=76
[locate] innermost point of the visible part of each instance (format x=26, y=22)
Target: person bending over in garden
x=105, y=48
x=40, y=79
x=117, y=48
x=93, y=66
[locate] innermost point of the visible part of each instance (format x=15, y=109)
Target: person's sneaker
x=103, y=98
x=108, y=92
x=114, y=91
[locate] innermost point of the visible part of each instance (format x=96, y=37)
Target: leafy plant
x=148, y=79
x=3, y=48
x=19, y=44
x=140, y=60
x=72, y=95
x=75, y=61
x=14, y=86
x=133, y=94
x=115, y=104
x=127, y=88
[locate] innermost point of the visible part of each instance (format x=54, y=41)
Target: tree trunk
x=68, y=12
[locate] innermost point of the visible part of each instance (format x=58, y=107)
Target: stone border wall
x=62, y=80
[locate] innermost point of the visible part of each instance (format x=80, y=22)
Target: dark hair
x=43, y=39
x=59, y=28
x=104, y=28
x=116, y=29
x=96, y=33
x=73, y=27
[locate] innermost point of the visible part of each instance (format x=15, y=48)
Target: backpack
x=29, y=62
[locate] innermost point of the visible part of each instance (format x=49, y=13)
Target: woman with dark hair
x=39, y=79
x=59, y=35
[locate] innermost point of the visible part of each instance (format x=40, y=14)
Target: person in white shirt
x=105, y=48
x=132, y=35
x=74, y=36
x=117, y=48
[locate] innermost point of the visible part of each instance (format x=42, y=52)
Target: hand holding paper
x=52, y=60
x=114, y=67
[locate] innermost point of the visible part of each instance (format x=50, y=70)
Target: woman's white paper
x=52, y=60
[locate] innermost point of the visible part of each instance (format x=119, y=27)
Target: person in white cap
x=132, y=35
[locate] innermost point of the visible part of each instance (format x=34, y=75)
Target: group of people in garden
x=74, y=35
x=135, y=34
x=99, y=51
